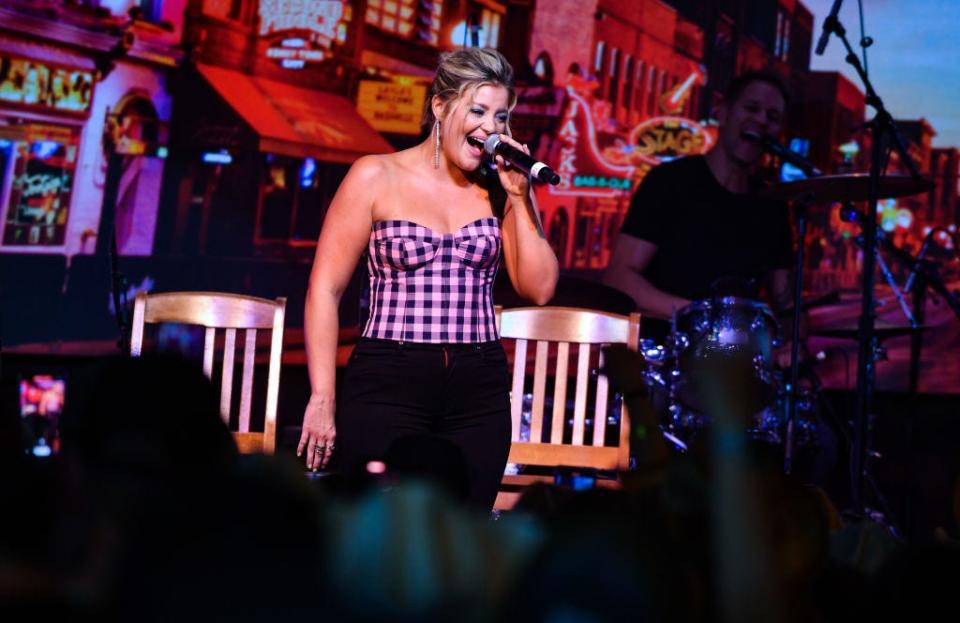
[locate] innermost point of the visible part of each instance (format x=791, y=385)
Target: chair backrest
x=227, y=312
x=554, y=330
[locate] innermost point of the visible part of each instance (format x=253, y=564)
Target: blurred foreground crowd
x=149, y=513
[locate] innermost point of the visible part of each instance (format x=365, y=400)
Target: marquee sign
x=38, y=85
x=392, y=106
x=306, y=30
x=320, y=17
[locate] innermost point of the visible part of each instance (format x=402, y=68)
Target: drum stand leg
x=800, y=213
x=883, y=514
x=675, y=343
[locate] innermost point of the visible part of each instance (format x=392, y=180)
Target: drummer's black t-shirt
x=709, y=240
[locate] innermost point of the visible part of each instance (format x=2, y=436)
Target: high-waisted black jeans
x=458, y=392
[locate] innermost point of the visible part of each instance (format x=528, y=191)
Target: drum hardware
x=801, y=202
x=884, y=138
x=847, y=188
x=830, y=298
x=881, y=332
x=719, y=327
x=864, y=187
x=851, y=215
x=924, y=275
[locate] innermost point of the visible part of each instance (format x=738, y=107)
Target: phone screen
x=574, y=480
x=41, y=403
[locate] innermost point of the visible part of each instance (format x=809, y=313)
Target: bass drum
x=720, y=328
x=682, y=424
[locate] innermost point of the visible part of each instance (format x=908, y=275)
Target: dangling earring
x=436, y=144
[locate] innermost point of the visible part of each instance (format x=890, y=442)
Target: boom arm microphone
x=829, y=25
x=772, y=146
x=525, y=162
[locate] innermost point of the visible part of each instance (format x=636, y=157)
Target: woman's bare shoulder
x=368, y=168
x=378, y=169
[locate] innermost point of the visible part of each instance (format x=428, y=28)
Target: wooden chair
x=554, y=330
x=229, y=312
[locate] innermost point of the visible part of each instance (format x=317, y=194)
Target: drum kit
x=748, y=330
x=719, y=328
x=786, y=412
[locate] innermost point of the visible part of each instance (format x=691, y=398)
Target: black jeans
x=458, y=392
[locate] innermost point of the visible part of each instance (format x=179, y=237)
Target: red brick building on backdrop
x=281, y=97
x=636, y=79
x=944, y=167
x=595, y=80
x=604, y=67
x=831, y=114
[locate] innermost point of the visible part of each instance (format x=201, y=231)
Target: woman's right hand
x=319, y=432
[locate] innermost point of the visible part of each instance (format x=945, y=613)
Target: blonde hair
x=466, y=69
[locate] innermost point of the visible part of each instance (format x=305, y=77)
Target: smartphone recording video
x=574, y=480
x=41, y=404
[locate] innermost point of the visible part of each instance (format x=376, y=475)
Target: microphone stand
x=800, y=206
x=881, y=125
x=925, y=274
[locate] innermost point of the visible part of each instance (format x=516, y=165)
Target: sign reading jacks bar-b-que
x=30, y=84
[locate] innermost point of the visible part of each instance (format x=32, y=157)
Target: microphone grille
x=491, y=143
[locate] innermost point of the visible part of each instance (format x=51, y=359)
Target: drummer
x=695, y=227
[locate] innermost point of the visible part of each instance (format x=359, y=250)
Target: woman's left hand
x=515, y=181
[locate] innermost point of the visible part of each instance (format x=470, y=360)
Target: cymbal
x=882, y=332
x=847, y=187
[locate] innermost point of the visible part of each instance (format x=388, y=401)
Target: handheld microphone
x=525, y=162
x=772, y=146
x=828, y=26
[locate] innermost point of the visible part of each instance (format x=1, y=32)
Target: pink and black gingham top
x=430, y=287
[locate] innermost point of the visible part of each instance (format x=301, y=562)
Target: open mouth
x=475, y=141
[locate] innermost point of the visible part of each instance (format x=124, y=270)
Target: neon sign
x=322, y=22
x=673, y=100
x=660, y=139
x=665, y=138
x=601, y=181
x=40, y=187
x=583, y=170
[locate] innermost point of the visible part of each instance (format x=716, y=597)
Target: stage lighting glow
x=217, y=157
x=459, y=34
x=42, y=449
x=904, y=218
x=307, y=172
x=45, y=149
x=376, y=467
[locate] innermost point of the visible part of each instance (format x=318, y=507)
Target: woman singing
x=429, y=360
